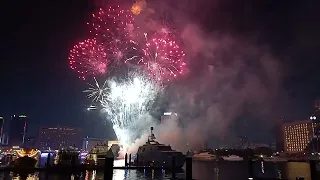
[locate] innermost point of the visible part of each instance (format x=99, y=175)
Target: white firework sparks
x=97, y=92
x=127, y=102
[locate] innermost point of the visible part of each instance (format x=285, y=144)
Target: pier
x=109, y=166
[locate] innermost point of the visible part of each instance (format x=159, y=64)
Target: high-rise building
x=18, y=130
x=54, y=138
x=297, y=135
x=1, y=129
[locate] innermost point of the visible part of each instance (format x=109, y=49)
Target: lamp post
x=313, y=119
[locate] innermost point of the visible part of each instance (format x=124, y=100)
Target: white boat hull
x=160, y=159
x=231, y=158
x=274, y=160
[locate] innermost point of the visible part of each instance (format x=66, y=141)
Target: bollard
x=126, y=160
x=129, y=159
x=313, y=169
x=137, y=160
x=250, y=164
x=173, y=164
x=73, y=161
x=108, y=166
x=48, y=160
x=189, y=168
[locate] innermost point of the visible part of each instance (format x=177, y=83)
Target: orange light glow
x=138, y=6
x=136, y=9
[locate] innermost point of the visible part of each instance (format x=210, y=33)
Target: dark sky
x=37, y=35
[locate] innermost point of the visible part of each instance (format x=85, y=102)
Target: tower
x=18, y=130
x=1, y=129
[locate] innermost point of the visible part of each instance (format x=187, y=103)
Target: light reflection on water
x=201, y=170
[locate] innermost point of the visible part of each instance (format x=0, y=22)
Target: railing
x=109, y=167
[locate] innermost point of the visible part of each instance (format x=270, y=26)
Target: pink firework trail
x=113, y=28
x=88, y=58
x=163, y=58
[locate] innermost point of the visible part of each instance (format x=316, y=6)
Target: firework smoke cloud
x=226, y=76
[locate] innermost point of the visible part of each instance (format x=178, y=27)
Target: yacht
x=152, y=153
x=67, y=157
x=26, y=158
x=232, y=158
x=205, y=156
x=97, y=155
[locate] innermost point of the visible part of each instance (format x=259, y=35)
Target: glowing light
x=28, y=152
x=138, y=6
x=88, y=58
x=126, y=102
x=44, y=154
x=96, y=92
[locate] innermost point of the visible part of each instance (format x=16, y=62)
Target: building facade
x=1, y=129
x=297, y=135
x=54, y=138
x=18, y=131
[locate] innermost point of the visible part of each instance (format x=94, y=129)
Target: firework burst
x=113, y=28
x=163, y=58
x=126, y=102
x=97, y=92
x=88, y=58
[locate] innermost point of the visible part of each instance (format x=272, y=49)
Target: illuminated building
x=18, y=130
x=90, y=143
x=1, y=129
x=297, y=135
x=54, y=138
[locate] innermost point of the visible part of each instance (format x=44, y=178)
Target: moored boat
x=205, y=156
x=274, y=159
x=232, y=158
x=152, y=153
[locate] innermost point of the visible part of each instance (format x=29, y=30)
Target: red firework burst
x=88, y=58
x=113, y=28
x=163, y=58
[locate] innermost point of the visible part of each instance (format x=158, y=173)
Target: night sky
x=37, y=36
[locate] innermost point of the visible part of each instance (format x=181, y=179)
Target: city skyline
x=39, y=83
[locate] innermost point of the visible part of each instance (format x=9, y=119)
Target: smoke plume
x=228, y=77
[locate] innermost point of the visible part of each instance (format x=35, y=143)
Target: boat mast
x=151, y=137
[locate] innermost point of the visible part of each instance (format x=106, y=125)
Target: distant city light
x=1, y=117
x=169, y=114
x=313, y=117
x=44, y=154
x=22, y=116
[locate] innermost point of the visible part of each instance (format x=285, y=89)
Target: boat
x=274, y=159
x=97, y=155
x=205, y=156
x=26, y=158
x=232, y=158
x=67, y=157
x=152, y=153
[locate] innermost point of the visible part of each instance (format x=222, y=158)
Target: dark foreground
x=201, y=171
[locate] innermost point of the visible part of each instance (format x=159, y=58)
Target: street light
x=313, y=117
